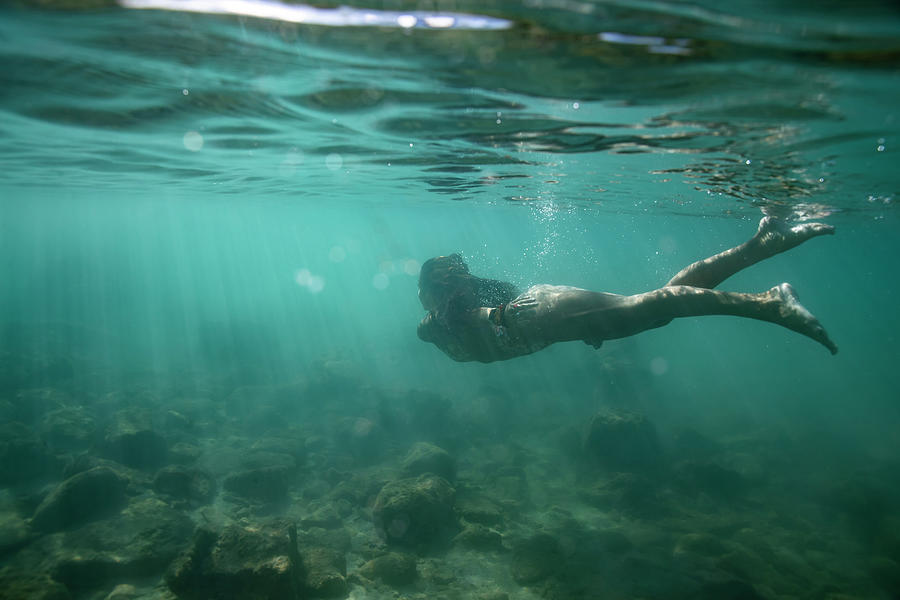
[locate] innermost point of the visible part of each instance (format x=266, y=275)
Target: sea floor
x=334, y=487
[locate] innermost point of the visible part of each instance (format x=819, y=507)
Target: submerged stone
x=131, y=440
x=392, y=568
x=414, y=511
x=241, y=563
x=622, y=441
x=266, y=484
x=182, y=483
x=82, y=497
x=428, y=458
x=139, y=542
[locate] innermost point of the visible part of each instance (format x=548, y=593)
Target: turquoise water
x=223, y=217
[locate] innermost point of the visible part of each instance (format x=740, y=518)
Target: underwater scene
x=553, y=299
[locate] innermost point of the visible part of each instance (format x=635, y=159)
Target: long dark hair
x=448, y=281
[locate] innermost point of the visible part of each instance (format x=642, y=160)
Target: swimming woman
x=471, y=318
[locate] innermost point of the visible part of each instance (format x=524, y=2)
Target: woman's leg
x=772, y=237
x=594, y=316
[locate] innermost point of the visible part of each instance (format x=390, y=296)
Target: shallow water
x=193, y=206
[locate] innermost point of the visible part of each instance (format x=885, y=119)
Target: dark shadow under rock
x=392, y=568
x=241, y=563
x=415, y=511
x=140, y=542
x=428, y=458
x=85, y=496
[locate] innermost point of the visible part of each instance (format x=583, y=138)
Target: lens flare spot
x=380, y=281
x=659, y=366
x=193, y=141
x=337, y=254
x=334, y=161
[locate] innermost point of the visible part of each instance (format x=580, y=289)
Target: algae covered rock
x=182, y=483
x=18, y=585
x=428, y=458
x=324, y=572
x=141, y=541
x=82, y=497
x=266, y=484
x=393, y=568
x=414, y=511
x=241, y=563
x=621, y=441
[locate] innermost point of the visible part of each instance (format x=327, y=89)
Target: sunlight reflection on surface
x=333, y=17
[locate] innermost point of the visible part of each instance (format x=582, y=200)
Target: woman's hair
x=447, y=280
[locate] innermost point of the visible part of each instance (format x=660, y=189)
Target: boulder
x=69, y=428
x=324, y=573
x=265, y=484
x=428, y=458
x=392, y=568
x=241, y=563
x=19, y=585
x=141, y=541
x=414, y=511
x=82, y=497
x=621, y=441
x=131, y=440
x=181, y=483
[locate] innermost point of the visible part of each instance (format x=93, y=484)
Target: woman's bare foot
x=776, y=236
x=794, y=315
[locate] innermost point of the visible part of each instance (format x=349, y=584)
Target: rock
x=324, y=516
x=23, y=457
x=68, y=429
x=316, y=537
x=627, y=492
x=536, y=558
x=266, y=484
x=139, y=542
x=414, y=511
x=477, y=508
x=392, y=568
x=428, y=458
x=19, y=585
x=241, y=563
x=710, y=478
x=621, y=441
x=324, y=572
x=82, y=497
x=192, y=485
x=123, y=591
x=131, y=440
x=13, y=532
x=479, y=537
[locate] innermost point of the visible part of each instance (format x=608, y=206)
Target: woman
x=471, y=318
